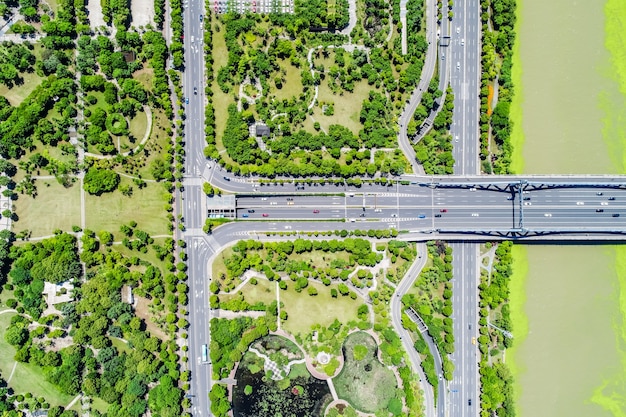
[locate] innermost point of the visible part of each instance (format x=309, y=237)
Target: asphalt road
x=465, y=386
x=199, y=249
x=396, y=319
x=465, y=50
x=464, y=56
x=427, y=73
x=445, y=208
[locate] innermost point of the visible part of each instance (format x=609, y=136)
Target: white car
x=474, y=214
x=458, y=29
x=548, y=215
x=580, y=203
x=528, y=203
x=604, y=203
x=462, y=42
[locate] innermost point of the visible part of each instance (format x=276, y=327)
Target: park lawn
x=150, y=256
x=264, y=291
x=305, y=310
x=137, y=128
x=318, y=258
x=347, y=106
x=365, y=390
x=292, y=87
x=4, y=296
x=145, y=76
x=99, y=404
x=221, y=101
x=153, y=149
x=218, y=266
x=27, y=378
x=59, y=206
x=101, y=103
x=120, y=345
x=18, y=93
x=146, y=206
x=220, y=51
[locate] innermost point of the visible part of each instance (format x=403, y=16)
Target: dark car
x=611, y=198
x=599, y=211
x=227, y=179
x=469, y=401
x=437, y=215
x=201, y=18
x=195, y=90
x=250, y=211
x=615, y=214
x=443, y=210
x=599, y=193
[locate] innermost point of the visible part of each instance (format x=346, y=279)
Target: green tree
x=98, y=181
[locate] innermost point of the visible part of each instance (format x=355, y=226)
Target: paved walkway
x=270, y=365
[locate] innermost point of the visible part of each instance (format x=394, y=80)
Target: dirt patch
x=142, y=310
x=142, y=12
x=96, y=18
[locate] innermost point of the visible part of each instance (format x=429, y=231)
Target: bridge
x=478, y=208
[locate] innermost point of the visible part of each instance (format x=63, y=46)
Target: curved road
x=427, y=74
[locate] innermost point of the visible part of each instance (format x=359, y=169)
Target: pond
x=298, y=395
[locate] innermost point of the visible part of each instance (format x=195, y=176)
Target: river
x=568, y=302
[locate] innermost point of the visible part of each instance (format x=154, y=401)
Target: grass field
x=218, y=266
x=264, y=291
x=150, y=256
x=145, y=206
x=220, y=99
x=55, y=207
x=366, y=384
x=292, y=86
x=145, y=76
x=120, y=345
x=347, y=106
x=98, y=404
x=27, y=378
x=153, y=148
x=18, y=93
x=305, y=310
x=137, y=127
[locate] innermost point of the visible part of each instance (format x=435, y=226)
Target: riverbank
x=516, y=114
x=613, y=101
x=519, y=321
x=611, y=394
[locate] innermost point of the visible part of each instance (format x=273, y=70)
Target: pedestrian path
x=277, y=373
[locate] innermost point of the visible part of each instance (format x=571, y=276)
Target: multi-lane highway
x=465, y=75
x=464, y=62
x=465, y=209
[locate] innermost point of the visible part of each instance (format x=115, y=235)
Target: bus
x=205, y=353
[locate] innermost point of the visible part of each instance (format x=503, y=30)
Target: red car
x=265, y=215
x=316, y=211
x=443, y=210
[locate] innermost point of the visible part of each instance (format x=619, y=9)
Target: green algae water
x=568, y=303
